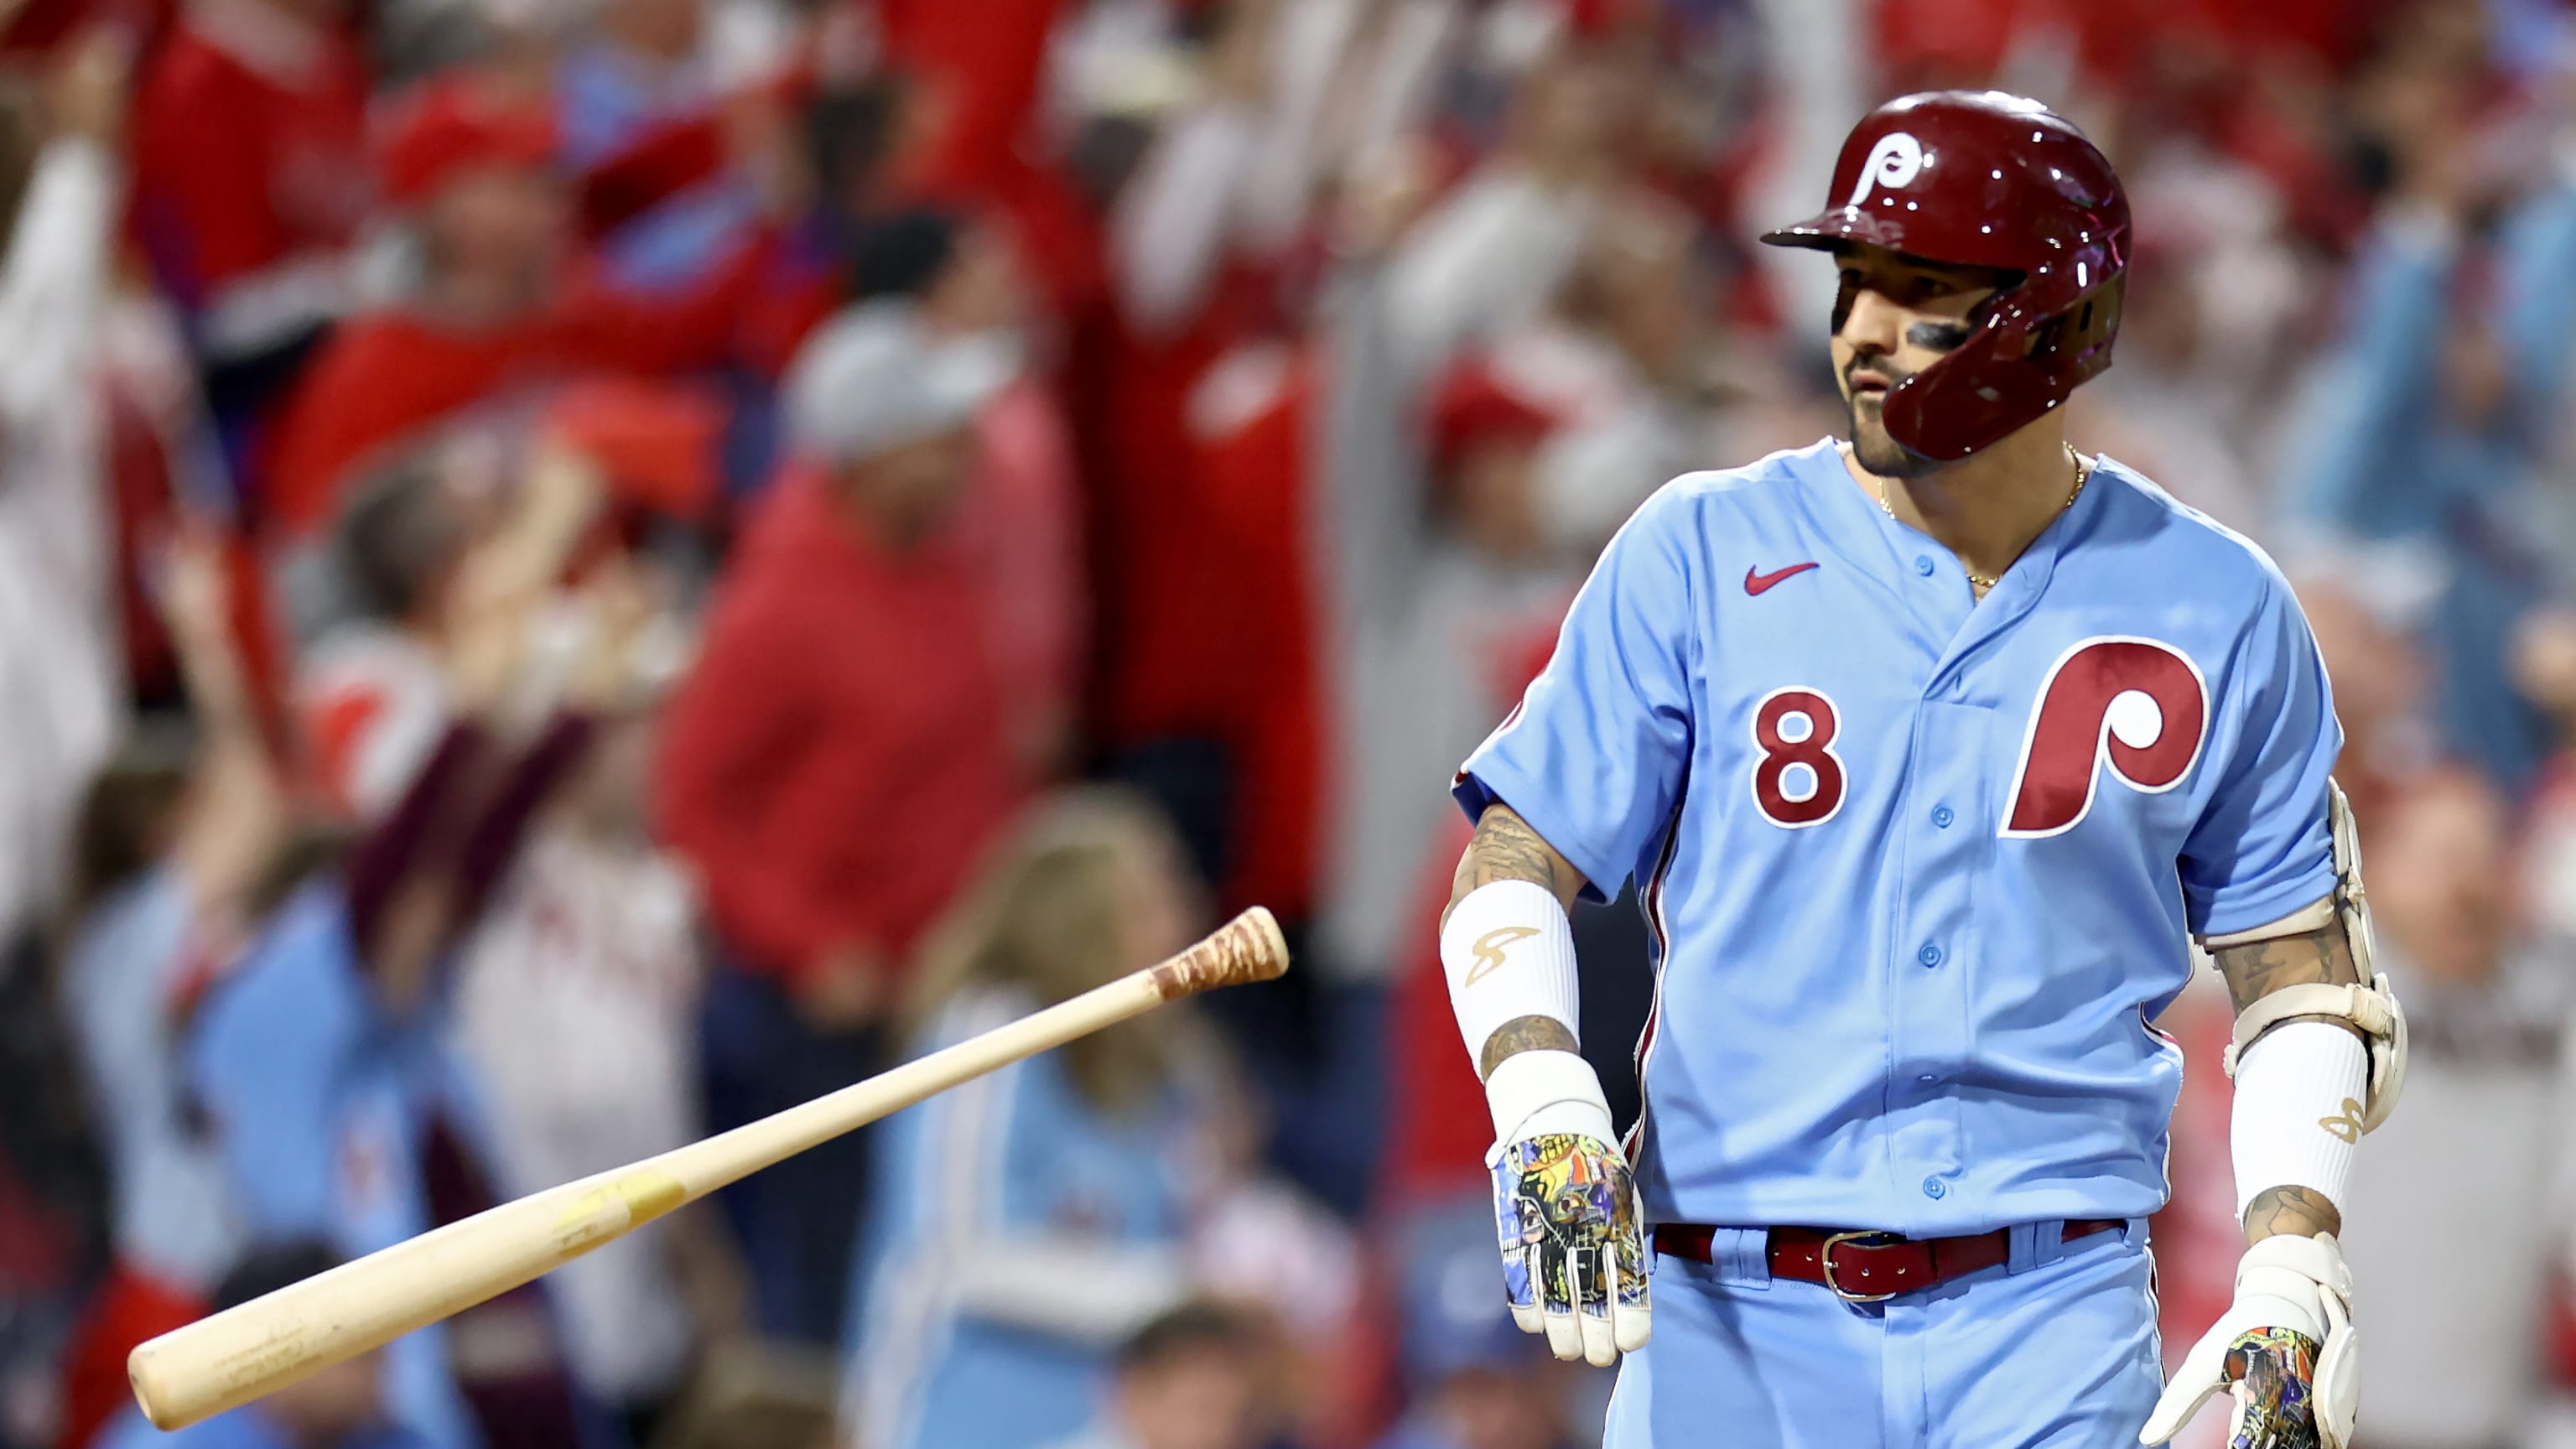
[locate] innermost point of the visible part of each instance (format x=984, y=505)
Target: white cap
x=874, y=378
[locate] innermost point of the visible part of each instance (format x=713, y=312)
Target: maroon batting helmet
x=1986, y=179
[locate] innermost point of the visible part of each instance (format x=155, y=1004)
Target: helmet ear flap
x=2081, y=333
x=2033, y=349
x=1966, y=400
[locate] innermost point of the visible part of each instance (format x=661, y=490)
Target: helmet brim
x=1841, y=227
x=1849, y=226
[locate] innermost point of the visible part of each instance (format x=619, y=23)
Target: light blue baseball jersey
x=1919, y=867
x=1016, y=1160
x=322, y=1102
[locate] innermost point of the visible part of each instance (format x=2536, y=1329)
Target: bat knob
x=1246, y=949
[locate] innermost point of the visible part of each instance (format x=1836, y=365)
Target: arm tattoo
x=1524, y=1034
x=1505, y=848
x=2302, y=1211
x=2259, y=968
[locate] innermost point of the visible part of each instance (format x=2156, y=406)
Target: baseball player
x=1931, y=752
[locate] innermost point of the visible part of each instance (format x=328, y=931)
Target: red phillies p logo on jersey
x=2136, y=705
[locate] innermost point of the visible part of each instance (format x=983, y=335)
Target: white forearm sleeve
x=1509, y=953
x=2298, y=1115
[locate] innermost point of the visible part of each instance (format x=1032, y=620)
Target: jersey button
x=1923, y=564
x=1930, y=955
x=1935, y=1188
x=1941, y=816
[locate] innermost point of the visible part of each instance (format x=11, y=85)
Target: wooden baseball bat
x=242, y=1353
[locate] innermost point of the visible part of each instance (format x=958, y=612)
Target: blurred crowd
x=574, y=573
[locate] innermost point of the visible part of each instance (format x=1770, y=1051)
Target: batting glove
x=2285, y=1350
x=1573, y=1239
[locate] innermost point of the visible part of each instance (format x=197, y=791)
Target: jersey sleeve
x=266, y=1062
x=2263, y=848
x=1594, y=755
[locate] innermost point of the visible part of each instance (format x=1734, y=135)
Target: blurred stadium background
x=573, y=572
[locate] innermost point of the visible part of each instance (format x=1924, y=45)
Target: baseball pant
x=2055, y=1348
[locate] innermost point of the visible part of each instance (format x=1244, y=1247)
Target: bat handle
x=1246, y=949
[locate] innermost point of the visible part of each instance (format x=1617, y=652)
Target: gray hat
x=874, y=378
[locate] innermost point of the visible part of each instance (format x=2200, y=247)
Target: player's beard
x=1872, y=448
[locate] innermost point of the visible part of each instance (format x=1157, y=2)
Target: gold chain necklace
x=1979, y=581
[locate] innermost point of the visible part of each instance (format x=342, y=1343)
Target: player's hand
x=844, y=988
x=191, y=586
x=620, y=603
x=2283, y=1351
x=86, y=95
x=1574, y=1248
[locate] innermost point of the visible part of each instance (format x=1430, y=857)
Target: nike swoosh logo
x=1755, y=583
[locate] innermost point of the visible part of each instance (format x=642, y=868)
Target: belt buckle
x=1825, y=1257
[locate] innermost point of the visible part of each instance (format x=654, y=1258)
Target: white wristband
x=1531, y=1093
x=1509, y=953
x=2290, y=1277
x=2300, y=1091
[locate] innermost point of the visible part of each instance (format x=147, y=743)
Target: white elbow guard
x=1508, y=951
x=2371, y=1009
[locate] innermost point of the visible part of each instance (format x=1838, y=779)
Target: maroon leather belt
x=1865, y=1267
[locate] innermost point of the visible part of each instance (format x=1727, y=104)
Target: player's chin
x=1876, y=451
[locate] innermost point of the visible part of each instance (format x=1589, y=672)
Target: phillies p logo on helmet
x=1893, y=163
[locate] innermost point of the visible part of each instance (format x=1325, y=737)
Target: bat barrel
x=242, y=1353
